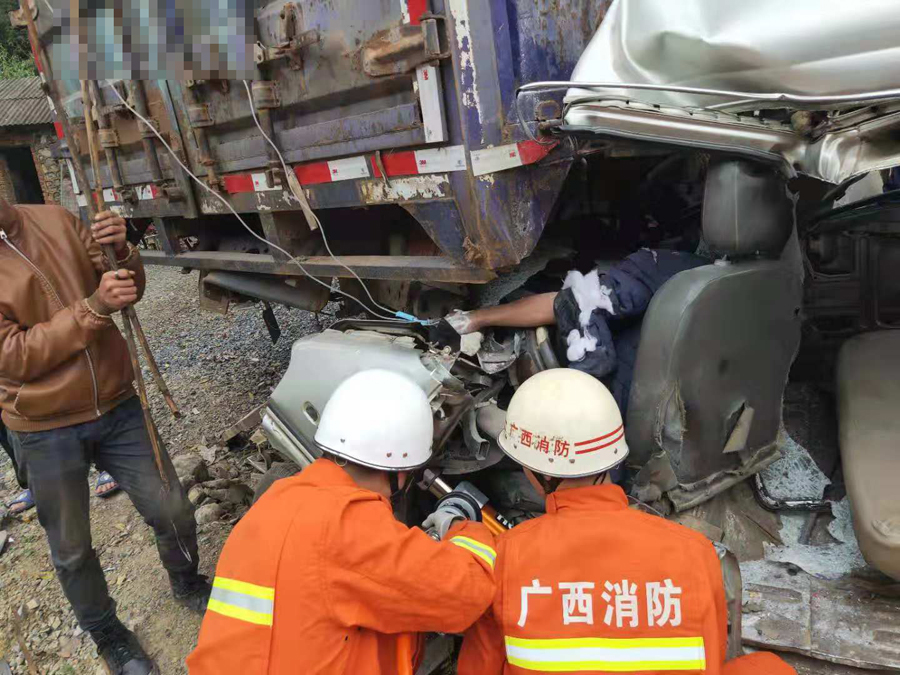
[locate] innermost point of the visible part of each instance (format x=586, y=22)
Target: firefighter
x=319, y=577
x=594, y=586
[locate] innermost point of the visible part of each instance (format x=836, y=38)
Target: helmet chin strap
x=394, y=480
x=398, y=494
x=549, y=483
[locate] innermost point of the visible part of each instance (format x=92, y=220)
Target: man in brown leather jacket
x=67, y=399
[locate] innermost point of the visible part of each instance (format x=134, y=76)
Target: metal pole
x=139, y=331
x=17, y=629
x=112, y=157
x=148, y=139
x=127, y=312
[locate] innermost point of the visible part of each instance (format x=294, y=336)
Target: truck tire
x=277, y=471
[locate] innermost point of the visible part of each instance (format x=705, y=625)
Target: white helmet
x=564, y=423
x=380, y=419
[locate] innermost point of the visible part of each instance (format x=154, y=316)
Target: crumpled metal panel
x=320, y=362
x=851, y=621
x=767, y=47
x=801, y=47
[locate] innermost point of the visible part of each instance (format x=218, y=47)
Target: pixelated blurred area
x=151, y=39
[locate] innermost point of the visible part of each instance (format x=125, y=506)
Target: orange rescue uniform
x=319, y=577
x=596, y=587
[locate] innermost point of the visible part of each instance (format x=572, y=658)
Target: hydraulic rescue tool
x=468, y=497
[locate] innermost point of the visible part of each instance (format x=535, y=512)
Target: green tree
x=15, y=52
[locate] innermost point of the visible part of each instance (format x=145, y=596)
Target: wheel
x=277, y=471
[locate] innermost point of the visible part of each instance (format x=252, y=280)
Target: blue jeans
x=56, y=464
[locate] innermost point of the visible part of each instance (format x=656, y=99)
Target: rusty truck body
x=397, y=117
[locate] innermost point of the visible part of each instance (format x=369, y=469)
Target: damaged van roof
x=688, y=73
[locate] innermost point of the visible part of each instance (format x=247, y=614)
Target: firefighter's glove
x=452, y=507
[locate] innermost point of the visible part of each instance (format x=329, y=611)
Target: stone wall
x=49, y=170
x=7, y=191
x=52, y=173
x=67, y=197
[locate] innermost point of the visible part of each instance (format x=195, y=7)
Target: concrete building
x=29, y=172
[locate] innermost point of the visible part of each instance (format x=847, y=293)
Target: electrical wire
x=301, y=198
x=392, y=317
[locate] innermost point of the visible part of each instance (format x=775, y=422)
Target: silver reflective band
x=243, y=601
x=483, y=551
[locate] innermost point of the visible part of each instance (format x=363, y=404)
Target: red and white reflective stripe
x=260, y=184
x=308, y=174
x=502, y=157
x=142, y=192
x=429, y=84
x=402, y=163
x=411, y=163
x=249, y=182
x=146, y=192
x=333, y=171
x=428, y=81
x=412, y=10
x=242, y=182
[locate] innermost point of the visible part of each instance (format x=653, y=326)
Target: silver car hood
x=822, y=56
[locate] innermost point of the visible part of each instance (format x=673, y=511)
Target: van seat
x=868, y=386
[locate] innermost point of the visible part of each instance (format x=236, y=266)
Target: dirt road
x=219, y=368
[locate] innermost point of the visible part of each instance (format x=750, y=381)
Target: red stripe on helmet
x=600, y=438
x=605, y=445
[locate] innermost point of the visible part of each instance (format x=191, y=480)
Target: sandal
x=105, y=479
x=24, y=497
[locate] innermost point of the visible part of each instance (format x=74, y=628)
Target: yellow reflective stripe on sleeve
x=483, y=551
x=253, y=590
x=242, y=601
x=614, y=655
x=612, y=643
x=239, y=613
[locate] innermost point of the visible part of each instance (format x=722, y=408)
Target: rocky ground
x=219, y=368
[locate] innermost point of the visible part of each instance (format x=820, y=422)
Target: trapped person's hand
x=109, y=228
x=117, y=289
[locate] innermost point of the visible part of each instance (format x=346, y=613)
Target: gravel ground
x=219, y=368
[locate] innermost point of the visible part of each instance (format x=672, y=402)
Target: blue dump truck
x=441, y=154
x=397, y=118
